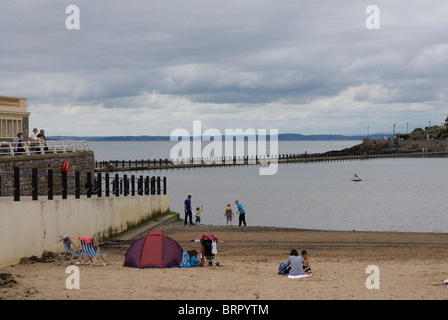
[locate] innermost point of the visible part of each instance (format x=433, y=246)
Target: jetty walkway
x=155, y=164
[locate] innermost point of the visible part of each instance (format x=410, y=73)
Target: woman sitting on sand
x=294, y=264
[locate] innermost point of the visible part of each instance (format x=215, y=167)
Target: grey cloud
x=242, y=55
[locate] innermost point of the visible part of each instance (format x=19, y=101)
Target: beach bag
x=185, y=260
x=188, y=262
x=194, y=262
x=214, y=247
x=282, y=268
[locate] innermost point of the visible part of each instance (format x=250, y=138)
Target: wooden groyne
x=155, y=164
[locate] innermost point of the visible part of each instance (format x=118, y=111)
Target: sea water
x=395, y=194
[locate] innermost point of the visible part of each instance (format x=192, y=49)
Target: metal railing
x=36, y=147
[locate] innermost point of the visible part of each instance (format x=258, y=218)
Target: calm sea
x=401, y=194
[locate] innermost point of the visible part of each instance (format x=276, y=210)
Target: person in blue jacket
x=188, y=210
x=241, y=212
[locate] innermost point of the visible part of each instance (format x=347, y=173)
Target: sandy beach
x=412, y=266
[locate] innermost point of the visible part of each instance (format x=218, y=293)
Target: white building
x=14, y=117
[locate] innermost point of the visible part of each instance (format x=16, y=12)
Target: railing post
x=99, y=185
x=16, y=184
x=158, y=185
x=107, y=185
x=140, y=186
x=77, y=185
x=132, y=185
x=153, y=185
x=89, y=184
x=34, y=183
x=64, y=184
x=116, y=185
x=50, y=184
x=164, y=185
x=126, y=185
x=147, y=186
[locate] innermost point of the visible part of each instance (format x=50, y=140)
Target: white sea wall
x=29, y=228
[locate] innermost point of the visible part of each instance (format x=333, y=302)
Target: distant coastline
x=281, y=137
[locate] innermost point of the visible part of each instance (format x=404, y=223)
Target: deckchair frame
x=69, y=250
x=92, y=253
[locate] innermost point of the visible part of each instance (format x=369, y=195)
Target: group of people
x=37, y=142
x=188, y=210
x=296, y=265
x=240, y=211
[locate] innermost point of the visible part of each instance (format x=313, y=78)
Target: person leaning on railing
x=33, y=140
x=41, y=142
x=18, y=144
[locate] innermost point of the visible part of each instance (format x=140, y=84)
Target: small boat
x=356, y=178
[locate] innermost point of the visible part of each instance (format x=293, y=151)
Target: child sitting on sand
x=306, y=261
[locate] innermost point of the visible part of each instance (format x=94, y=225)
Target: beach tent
x=155, y=250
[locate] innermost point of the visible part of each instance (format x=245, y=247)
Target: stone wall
x=82, y=161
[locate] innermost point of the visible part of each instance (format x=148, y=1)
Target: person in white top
x=33, y=140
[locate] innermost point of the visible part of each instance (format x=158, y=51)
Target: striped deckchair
x=88, y=250
x=73, y=252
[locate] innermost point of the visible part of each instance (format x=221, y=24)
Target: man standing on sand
x=187, y=210
x=242, y=213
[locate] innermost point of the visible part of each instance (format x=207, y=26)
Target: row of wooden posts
x=167, y=163
x=113, y=185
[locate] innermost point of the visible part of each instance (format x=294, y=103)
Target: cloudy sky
x=148, y=67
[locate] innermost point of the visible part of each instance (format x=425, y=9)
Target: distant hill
x=112, y=138
x=281, y=137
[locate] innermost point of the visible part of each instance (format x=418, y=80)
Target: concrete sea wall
x=28, y=228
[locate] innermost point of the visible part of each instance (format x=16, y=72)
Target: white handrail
x=51, y=146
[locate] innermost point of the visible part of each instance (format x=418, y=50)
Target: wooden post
x=50, y=184
x=77, y=185
x=16, y=184
x=64, y=184
x=35, y=184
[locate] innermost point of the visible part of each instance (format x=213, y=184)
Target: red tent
x=155, y=250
